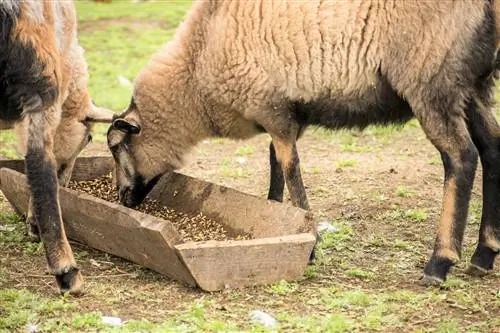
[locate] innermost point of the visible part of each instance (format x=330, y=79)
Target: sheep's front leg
x=43, y=182
x=288, y=158
x=284, y=158
x=31, y=223
x=276, y=179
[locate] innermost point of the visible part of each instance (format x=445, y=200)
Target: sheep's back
x=301, y=50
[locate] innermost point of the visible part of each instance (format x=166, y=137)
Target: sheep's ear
x=100, y=115
x=126, y=126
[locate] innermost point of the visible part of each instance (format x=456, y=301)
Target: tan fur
x=491, y=239
x=210, y=80
x=284, y=152
x=446, y=247
x=61, y=129
x=496, y=8
x=67, y=67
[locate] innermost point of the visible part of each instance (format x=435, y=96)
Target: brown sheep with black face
x=43, y=93
x=239, y=68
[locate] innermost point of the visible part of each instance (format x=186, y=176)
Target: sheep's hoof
x=430, y=281
x=70, y=280
x=474, y=270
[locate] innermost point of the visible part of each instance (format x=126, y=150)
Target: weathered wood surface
x=110, y=227
x=237, y=210
x=85, y=167
x=283, y=233
x=233, y=264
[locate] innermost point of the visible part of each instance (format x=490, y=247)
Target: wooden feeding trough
x=282, y=235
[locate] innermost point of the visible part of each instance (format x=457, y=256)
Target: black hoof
x=482, y=261
x=70, y=280
x=436, y=270
x=476, y=271
x=430, y=281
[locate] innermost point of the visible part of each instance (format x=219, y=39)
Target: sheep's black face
x=132, y=186
x=131, y=196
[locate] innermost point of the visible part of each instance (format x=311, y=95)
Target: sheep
x=44, y=96
x=237, y=69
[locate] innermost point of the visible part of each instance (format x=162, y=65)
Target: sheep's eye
x=89, y=138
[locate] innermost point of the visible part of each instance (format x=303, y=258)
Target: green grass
x=331, y=307
x=8, y=144
x=245, y=150
x=347, y=163
x=417, y=215
x=363, y=279
x=404, y=192
x=171, y=12
x=116, y=48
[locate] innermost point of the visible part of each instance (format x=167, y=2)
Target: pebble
x=32, y=328
x=112, y=321
x=327, y=227
x=263, y=318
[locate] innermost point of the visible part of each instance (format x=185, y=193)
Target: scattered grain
x=191, y=227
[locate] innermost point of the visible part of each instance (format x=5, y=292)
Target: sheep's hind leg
x=449, y=134
x=485, y=133
x=42, y=179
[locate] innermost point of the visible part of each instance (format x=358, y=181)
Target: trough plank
x=86, y=168
x=110, y=227
x=238, y=211
x=233, y=264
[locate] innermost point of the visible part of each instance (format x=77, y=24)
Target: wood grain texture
x=233, y=264
x=110, y=227
x=239, y=211
x=283, y=234
x=86, y=168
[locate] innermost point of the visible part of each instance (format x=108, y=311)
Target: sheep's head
x=73, y=135
x=135, y=175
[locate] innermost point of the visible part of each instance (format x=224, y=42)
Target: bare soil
x=390, y=197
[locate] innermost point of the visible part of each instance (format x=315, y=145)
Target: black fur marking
x=44, y=186
x=484, y=257
x=21, y=72
x=489, y=149
x=438, y=267
x=277, y=181
x=294, y=180
x=135, y=195
x=66, y=279
x=475, y=76
x=61, y=170
x=380, y=105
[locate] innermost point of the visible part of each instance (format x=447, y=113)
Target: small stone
x=6, y=227
x=327, y=227
x=32, y=328
x=263, y=318
x=112, y=321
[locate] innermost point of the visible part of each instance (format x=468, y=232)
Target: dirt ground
x=386, y=187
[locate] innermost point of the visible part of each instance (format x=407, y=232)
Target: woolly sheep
x=239, y=68
x=43, y=93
